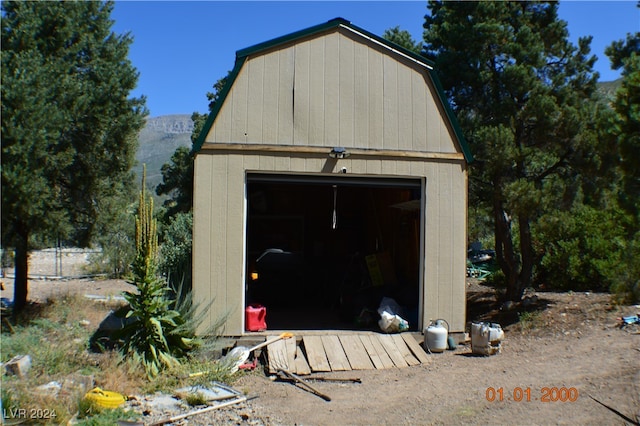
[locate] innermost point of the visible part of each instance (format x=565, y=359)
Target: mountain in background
x=609, y=88
x=162, y=135
x=158, y=140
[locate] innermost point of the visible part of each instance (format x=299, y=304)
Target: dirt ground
x=571, y=345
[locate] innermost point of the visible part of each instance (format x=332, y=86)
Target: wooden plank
x=278, y=358
x=290, y=345
x=375, y=356
x=299, y=149
x=302, y=366
x=315, y=353
x=415, y=348
x=382, y=352
x=356, y=353
x=404, y=350
x=392, y=350
x=335, y=354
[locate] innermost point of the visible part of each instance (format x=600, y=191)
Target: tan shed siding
x=361, y=132
x=333, y=90
x=347, y=93
x=218, y=231
x=301, y=106
x=314, y=164
x=283, y=162
x=358, y=166
x=234, y=192
x=404, y=93
x=331, y=93
x=440, y=136
x=219, y=208
x=255, y=96
x=297, y=163
x=201, y=234
x=252, y=162
x=284, y=76
x=419, y=104
x=432, y=282
x=445, y=238
x=389, y=167
x=267, y=163
x=376, y=100
x=390, y=103
x=221, y=130
x=434, y=126
x=316, y=90
x=373, y=167
x=431, y=249
x=210, y=227
x=240, y=105
x=404, y=168
x=445, y=246
x=459, y=295
x=270, y=98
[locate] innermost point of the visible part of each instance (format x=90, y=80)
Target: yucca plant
x=156, y=333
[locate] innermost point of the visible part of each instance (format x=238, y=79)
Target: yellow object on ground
x=105, y=399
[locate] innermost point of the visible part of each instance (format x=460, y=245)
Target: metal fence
x=55, y=262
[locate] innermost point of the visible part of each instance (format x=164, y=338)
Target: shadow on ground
x=484, y=305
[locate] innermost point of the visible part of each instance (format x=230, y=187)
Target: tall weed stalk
x=156, y=334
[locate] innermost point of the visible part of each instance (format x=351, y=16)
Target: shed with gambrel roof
x=330, y=176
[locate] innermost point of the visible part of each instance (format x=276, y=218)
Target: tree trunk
x=21, y=270
x=505, y=253
x=526, y=253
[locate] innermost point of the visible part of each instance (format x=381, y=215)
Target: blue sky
x=181, y=48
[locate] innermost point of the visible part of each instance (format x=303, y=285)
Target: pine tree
x=525, y=97
x=625, y=55
x=69, y=127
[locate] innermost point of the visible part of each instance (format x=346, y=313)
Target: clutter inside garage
x=328, y=253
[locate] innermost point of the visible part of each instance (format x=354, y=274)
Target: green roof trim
x=452, y=116
x=333, y=23
x=242, y=55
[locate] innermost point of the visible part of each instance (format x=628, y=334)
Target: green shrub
x=583, y=247
x=175, y=252
x=625, y=277
x=115, y=256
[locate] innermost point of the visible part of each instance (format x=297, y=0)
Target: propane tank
x=435, y=336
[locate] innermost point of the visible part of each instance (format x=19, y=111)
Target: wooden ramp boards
x=344, y=352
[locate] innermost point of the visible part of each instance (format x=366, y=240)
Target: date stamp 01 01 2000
x=546, y=394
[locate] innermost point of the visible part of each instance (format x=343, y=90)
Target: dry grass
x=56, y=334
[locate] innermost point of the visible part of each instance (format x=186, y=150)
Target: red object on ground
x=255, y=318
x=249, y=365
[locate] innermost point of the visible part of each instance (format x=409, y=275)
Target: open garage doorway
x=322, y=251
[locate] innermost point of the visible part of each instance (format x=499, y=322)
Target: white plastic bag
x=390, y=321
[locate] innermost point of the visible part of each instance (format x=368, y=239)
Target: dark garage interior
x=323, y=251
